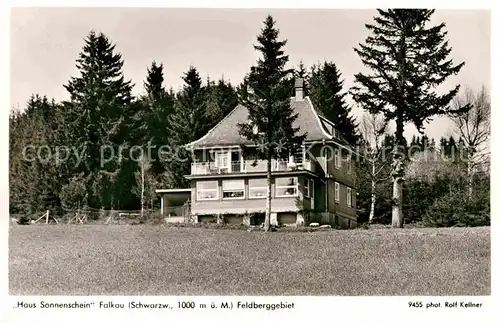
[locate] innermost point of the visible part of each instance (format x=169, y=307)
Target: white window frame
x=198, y=190
x=228, y=190
x=311, y=184
x=349, y=197
x=222, y=155
x=307, y=188
x=337, y=192
x=337, y=158
x=296, y=187
x=253, y=188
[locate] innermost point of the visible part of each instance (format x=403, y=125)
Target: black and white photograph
x=249, y=152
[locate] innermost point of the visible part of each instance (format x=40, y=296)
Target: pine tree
x=153, y=117
x=221, y=99
x=408, y=60
x=188, y=123
x=266, y=95
x=328, y=97
x=34, y=169
x=424, y=144
x=98, y=114
x=452, y=148
x=432, y=144
x=443, y=145
x=155, y=91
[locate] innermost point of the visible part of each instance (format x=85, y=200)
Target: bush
x=453, y=209
x=74, y=194
x=24, y=220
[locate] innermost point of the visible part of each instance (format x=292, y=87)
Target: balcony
x=248, y=166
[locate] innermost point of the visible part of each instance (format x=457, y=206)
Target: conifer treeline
x=85, y=151
x=105, y=148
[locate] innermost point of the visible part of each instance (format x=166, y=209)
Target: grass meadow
x=159, y=260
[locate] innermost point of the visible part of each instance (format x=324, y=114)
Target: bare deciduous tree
x=474, y=129
x=145, y=182
x=373, y=128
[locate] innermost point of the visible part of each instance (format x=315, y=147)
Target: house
x=315, y=185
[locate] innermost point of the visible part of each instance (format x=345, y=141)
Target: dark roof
x=226, y=132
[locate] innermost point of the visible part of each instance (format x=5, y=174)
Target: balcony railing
x=248, y=166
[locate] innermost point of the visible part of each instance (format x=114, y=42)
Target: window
x=221, y=159
x=349, y=197
x=337, y=158
x=307, y=190
x=286, y=186
x=337, y=192
x=349, y=165
x=312, y=193
x=257, y=188
x=207, y=190
x=233, y=189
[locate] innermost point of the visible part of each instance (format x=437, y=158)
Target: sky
x=45, y=43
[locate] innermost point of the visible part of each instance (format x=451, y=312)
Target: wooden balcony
x=248, y=166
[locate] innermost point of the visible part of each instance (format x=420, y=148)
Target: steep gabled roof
x=226, y=132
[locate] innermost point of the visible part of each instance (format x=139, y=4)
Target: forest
x=105, y=148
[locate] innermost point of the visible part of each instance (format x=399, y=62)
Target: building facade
x=317, y=184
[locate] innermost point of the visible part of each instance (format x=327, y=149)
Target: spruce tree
x=221, y=99
x=188, y=122
x=34, y=174
x=98, y=114
x=153, y=118
x=326, y=93
x=408, y=60
x=155, y=91
x=443, y=146
x=266, y=95
x=452, y=148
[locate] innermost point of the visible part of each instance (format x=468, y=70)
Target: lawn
x=157, y=260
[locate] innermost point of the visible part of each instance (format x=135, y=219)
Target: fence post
x=47, y=219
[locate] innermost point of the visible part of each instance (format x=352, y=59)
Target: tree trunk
x=469, y=179
x=267, y=219
x=397, y=206
x=142, y=186
x=373, y=196
x=397, y=174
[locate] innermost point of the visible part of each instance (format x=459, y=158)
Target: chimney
x=299, y=89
